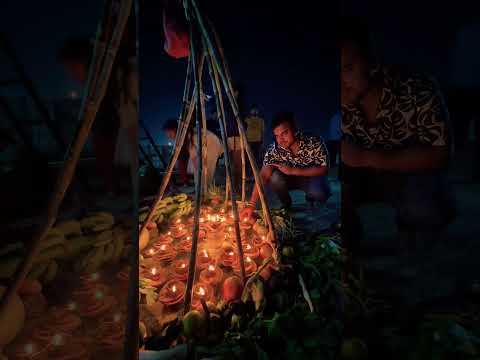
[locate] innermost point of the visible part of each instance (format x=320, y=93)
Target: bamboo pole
x=204, y=138
x=217, y=90
x=244, y=172
x=174, y=158
x=88, y=116
x=198, y=186
x=230, y=95
x=185, y=103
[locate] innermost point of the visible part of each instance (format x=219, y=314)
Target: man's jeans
x=316, y=187
x=423, y=202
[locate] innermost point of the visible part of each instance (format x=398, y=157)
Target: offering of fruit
x=232, y=289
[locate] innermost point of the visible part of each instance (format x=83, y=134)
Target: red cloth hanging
x=177, y=39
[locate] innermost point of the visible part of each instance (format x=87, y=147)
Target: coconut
x=194, y=324
x=13, y=316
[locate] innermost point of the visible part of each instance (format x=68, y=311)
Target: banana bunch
x=97, y=222
x=45, y=265
x=69, y=228
x=171, y=207
x=105, y=248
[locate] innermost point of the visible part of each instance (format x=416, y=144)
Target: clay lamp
x=179, y=230
x=165, y=238
x=227, y=258
x=150, y=252
x=203, y=259
x=245, y=224
x=180, y=269
x=156, y=276
x=185, y=245
x=201, y=292
x=250, y=266
x=266, y=251
x=249, y=249
x=29, y=351
x=97, y=305
x=259, y=240
x=212, y=275
x=164, y=253
x=172, y=293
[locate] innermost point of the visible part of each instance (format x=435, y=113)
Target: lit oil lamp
x=184, y=246
x=204, y=259
x=227, y=258
x=58, y=320
x=165, y=238
x=201, y=292
x=164, y=253
x=250, y=249
x=250, y=266
x=180, y=269
x=258, y=240
x=212, y=275
x=156, y=275
x=178, y=230
x=172, y=292
x=64, y=346
x=245, y=224
x=148, y=253
x=29, y=351
x=97, y=304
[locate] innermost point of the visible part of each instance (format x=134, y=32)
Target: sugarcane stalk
x=217, y=91
x=198, y=186
x=87, y=115
x=204, y=139
x=305, y=293
x=234, y=105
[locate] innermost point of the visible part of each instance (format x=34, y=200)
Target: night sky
x=37, y=29
x=282, y=52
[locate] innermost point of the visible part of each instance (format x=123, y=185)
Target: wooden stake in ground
x=87, y=115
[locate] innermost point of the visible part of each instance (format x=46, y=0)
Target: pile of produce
x=72, y=303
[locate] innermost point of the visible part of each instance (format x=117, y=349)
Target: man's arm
x=265, y=174
x=414, y=159
x=311, y=171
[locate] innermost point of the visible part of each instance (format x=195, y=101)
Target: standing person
x=334, y=138
x=255, y=131
x=214, y=149
x=396, y=144
x=76, y=55
x=293, y=161
x=170, y=129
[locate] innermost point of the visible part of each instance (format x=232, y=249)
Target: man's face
x=354, y=75
x=170, y=134
x=77, y=70
x=284, y=135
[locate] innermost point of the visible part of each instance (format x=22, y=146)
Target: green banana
x=103, y=238
x=37, y=271
x=101, y=227
x=69, y=228
x=51, y=241
x=51, y=253
x=118, y=248
x=94, y=262
x=50, y=272
x=108, y=252
x=180, y=197
x=8, y=265
x=76, y=245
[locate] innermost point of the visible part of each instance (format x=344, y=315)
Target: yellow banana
x=180, y=197
x=118, y=248
x=69, y=228
x=52, y=240
x=76, y=245
x=96, y=260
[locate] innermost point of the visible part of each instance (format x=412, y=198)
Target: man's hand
x=354, y=156
x=287, y=170
x=246, y=213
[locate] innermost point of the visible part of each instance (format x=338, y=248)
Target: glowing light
x=29, y=348
x=57, y=340
x=189, y=238
x=230, y=228
x=248, y=247
x=154, y=271
x=202, y=220
x=99, y=295
x=179, y=221
x=211, y=268
x=94, y=276
x=169, y=233
x=72, y=306
x=248, y=259
x=201, y=291
x=180, y=228
x=205, y=254
x=151, y=251
x=263, y=237
x=174, y=288
x=231, y=253
x=245, y=220
x=163, y=247
x=183, y=266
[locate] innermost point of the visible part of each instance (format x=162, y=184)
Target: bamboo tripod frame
x=202, y=49
x=105, y=50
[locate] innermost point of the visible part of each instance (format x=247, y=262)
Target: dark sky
x=37, y=29
x=282, y=54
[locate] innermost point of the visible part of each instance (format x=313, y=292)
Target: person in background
x=75, y=55
x=170, y=129
x=255, y=131
x=396, y=145
x=334, y=138
x=293, y=161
